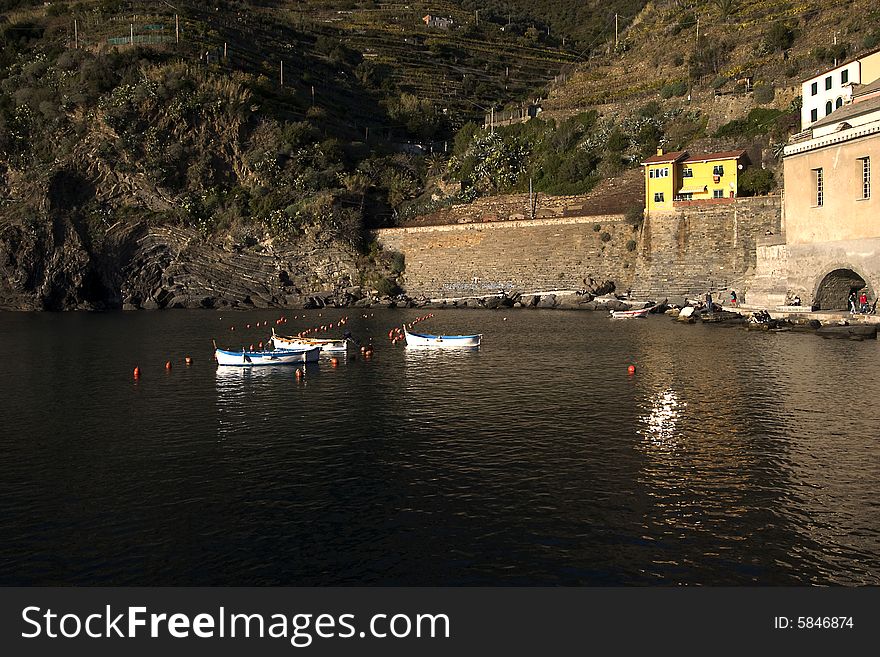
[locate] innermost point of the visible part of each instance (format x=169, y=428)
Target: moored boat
x=441, y=341
x=284, y=342
x=272, y=357
x=624, y=314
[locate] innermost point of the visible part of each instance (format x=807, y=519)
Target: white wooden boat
x=624, y=314
x=272, y=357
x=332, y=346
x=441, y=341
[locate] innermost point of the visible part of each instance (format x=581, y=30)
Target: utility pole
x=224, y=50
x=132, y=33
x=75, y=35
x=313, y=95
x=615, y=32
x=492, y=119
x=477, y=16
x=176, y=28
x=282, y=72
x=698, y=33
x=533, y=201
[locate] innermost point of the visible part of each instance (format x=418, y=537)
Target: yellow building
x=678, y=179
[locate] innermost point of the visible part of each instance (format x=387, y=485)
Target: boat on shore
x=441, y=341
x=329, y=345
x=626, y=314
x=270, y=357
x=848, y=331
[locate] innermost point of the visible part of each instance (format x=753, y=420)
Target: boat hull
x=628, y=314
x=330, y=346
x=442, y=341
x=276, y=357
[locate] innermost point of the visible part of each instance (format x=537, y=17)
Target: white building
x=831, y=89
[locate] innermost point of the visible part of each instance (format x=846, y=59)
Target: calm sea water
x=728, y=458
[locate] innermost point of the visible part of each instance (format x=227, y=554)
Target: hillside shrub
x=872, y=40
x=779, y=37
x=635, y=216
x=756, y=181
x=631, y=245
x=760, y=121
x=387, y=287
x=605, y=237
x=677, y=88
x=398, y=262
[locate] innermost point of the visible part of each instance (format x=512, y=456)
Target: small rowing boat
x=272, y=357
x=284, y=342
x=624, y=314
x=441, y=341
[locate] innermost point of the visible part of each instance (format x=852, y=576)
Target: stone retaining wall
x=527, y=255
x=676, y=254
x=701, y=248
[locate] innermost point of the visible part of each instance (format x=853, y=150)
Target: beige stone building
x=830, y=240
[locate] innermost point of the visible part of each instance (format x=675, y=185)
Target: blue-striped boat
x=272, y=357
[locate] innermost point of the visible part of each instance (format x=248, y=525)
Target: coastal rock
x=547, y=301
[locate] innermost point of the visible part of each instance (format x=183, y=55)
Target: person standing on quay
x=863, y=300
x=852, y=302
x=733, y=297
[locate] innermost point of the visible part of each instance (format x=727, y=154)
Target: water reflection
x=661, y=422
x=728, y=458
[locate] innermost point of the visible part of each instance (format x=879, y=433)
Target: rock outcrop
x=142, y=266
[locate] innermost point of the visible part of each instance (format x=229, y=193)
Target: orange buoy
x=334, y=362
x=298, y=373
x=363, y=350
x=248, y=326
x=188, y=360
x=167, y=364
x=261, y=345
x=231, y=328
x=631, y=369
x=252, y=347
x=137, y=372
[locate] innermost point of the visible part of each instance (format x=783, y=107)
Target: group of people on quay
x=858, y=302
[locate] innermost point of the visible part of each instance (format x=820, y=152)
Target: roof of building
x=848, y=112
x=710, y=157
x=855, y=58
x=864, y=89
x=663, y=158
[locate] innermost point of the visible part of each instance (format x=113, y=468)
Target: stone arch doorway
x=835, y=287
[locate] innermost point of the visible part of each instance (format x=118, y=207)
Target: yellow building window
x=658, y=197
